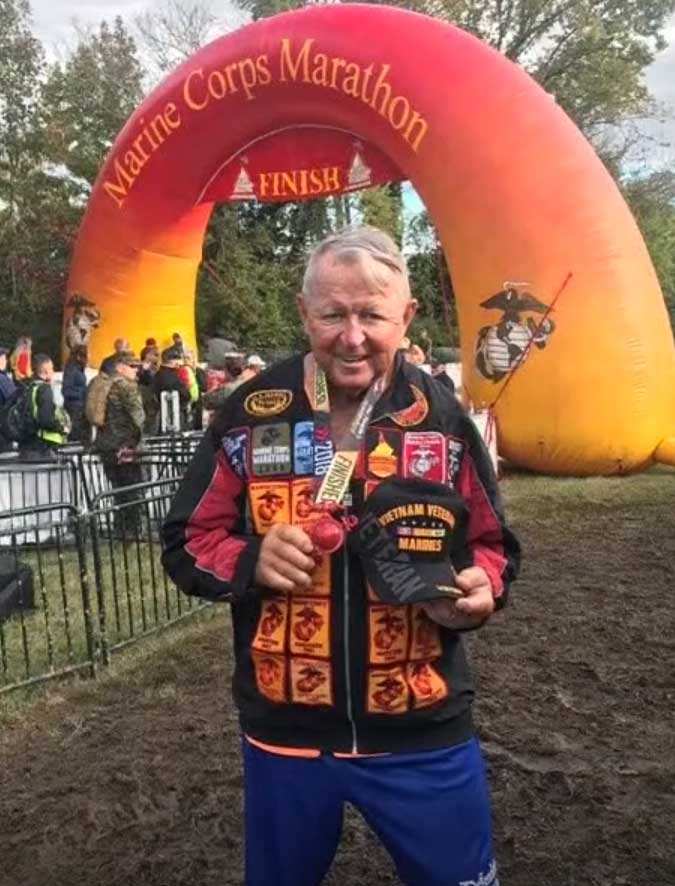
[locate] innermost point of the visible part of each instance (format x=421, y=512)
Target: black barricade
x=81, y=576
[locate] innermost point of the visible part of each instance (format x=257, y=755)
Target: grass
x=83, y=611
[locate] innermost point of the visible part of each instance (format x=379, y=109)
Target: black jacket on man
x=334, y=669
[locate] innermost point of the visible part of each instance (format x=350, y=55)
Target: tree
x=652, y=200
x=21, y=65
x=171, y=33
x=89, y=98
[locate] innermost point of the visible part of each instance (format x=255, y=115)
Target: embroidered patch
x=415, y=414
x=455, y=452
x=270, y=675
x=323, y=450
x=387, y=691
x=310, y=627
x=311, y=682
x=266, y=403
x=303, y=448
x=270, y=503
x=424, y=456
x=426, y=638
x=383, y=449
x=426, y=684
x=235, y=446
x=388, y=633
x=271, y=450
x=302, y=504
x=271, y=633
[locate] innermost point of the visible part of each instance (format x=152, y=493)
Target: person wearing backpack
x=49, y=422
x=7, y=395
x=118, y=438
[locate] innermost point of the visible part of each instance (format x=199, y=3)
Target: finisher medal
x=328, y=535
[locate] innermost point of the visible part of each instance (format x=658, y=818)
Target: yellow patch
x=266, y=403
x=311, y=681
x=270, y=675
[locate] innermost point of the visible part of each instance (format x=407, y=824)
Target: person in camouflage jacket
x=119, y=437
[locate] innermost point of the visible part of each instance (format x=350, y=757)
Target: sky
x=53, y=25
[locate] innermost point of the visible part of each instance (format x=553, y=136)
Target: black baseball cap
x=411, y=538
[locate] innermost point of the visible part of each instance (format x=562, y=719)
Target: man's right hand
x=284, y=561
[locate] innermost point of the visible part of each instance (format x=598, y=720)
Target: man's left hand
x=468, y=611
x=478, y=602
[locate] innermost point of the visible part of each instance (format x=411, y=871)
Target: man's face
x=354, y=333
x=3, y=362
x=47, y=371
x=127, y=371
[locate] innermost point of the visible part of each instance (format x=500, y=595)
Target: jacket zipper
x=348, y=676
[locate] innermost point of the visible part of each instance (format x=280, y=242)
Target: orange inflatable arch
x=563, y=325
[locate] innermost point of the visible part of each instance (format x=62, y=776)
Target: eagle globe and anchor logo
x=502, y=346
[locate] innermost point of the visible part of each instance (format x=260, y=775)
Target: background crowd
x=162, y=390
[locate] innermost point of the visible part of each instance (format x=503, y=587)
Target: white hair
x=367, y=247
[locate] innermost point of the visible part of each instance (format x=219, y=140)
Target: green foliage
x=89, y=98
x=254, y=256
x=436, y=320
x=589, y=55
x=652, y=200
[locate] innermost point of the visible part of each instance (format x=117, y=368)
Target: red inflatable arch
x=559, y=305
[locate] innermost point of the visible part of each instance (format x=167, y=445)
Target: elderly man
x=345, y=505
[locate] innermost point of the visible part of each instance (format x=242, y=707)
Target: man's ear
x=410, y=311
x=302, y=310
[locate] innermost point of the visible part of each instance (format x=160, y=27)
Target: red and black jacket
x=335, y=669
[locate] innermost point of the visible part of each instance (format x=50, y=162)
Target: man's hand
x=468, y=611
x=284, y=562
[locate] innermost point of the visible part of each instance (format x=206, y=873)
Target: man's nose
x=352, y=331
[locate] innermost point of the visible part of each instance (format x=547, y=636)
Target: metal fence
x=82, y=578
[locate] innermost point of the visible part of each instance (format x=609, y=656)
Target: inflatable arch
x=563, y=326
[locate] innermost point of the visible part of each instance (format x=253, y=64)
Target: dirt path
x=136, y=779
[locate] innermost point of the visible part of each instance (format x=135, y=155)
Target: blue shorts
x=431, y=810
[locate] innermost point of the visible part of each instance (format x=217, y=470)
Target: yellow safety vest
x=55, y=437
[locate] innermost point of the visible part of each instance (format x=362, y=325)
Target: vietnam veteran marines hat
x=411, y=538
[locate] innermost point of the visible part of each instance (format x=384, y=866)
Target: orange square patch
x=271, y=633
x=425, y=642
x=321, y=577
x=302, y=504
x=270, y=675
x=311, y=682
x=426, y=684
x=310, y=626
x=388, y=631
x=270, y=503
x=388, y=691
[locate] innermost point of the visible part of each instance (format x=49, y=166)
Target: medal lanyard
x=335, y=481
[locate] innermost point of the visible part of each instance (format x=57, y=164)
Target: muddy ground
x=135, y=779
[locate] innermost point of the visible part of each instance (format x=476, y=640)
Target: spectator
x=416, y=355
x=74, y=389
x=21, y=360
x=235, y=369
x=49, y=422
x=7, y=392
x=150, y=361
x=255, y=365
x=167, y=379
x=118, y=439
x=177, y=343
x=438, y=371
x=121, y=346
